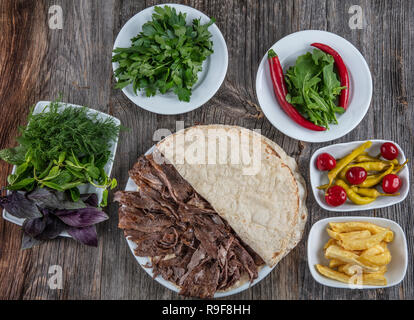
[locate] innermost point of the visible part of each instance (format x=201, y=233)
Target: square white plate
x=339, y=150
x=87, y=188
x=398, y=248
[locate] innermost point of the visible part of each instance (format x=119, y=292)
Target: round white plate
x=209, y=79
x=263, y=272
x=288, y=49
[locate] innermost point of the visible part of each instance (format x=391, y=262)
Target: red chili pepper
x=343, y=72
x=279, y=87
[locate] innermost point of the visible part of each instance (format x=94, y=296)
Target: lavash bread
x=265, y=209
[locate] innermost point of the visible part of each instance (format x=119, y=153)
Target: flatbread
x=263, y=204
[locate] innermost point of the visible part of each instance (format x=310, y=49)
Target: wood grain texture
x=38, y=63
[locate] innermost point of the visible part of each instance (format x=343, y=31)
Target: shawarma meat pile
x=188, y=242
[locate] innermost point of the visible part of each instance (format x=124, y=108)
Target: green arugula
x=166, y=56
x=62, y=148
x=313, y=87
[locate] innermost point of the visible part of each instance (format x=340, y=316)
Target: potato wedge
x=341, y=227
x=333, y=234
x=329, y=243
x=354, y=235
x=335, y=252
x=378, y=249
x=382, y=270
x=378, y=260
x=365, y=243
x=374, y=279
x=351, y=269
x=332, y=274
x=333, y=263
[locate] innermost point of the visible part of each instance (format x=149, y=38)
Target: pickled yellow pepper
x=371, y=192
x=368, y=166
x=365, y=158
x=352, y=195
x=346, y=160
x=373, y=180
x=399, y=167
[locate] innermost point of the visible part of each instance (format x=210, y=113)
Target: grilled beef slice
x=188, y=242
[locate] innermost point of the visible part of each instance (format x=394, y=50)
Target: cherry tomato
x=325, y=162
x=391, y=183
x=335, y=196
x=389, y=151
x=356, y=175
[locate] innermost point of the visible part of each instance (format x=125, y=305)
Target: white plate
x=318, y=178
x=131, y=186
x=87, y=188
x=288, y=49
x=210, y=78
x=398, y=247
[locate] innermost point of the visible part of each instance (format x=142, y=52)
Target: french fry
x=378, y=260
x=378, y=249
x=332, y=274
x=363, y=244
x=333, y=263
x=333, y=234
x=382, y=270
x=329, y=243
x=341, y=227
x=374, y=279
x=351, y=269
x=335, y=252
x=341, y=268
x=354, y=235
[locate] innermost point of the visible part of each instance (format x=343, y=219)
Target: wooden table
x=39, y=63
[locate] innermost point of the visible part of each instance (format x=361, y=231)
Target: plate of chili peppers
x=314, y=86
x=359, y=175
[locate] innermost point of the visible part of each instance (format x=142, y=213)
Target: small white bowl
x=209, y=79
x=360, y=92
x=339, y=150
x=398, y=248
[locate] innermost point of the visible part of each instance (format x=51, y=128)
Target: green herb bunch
x=62, y=148
x=165, y=56
x=313, y=87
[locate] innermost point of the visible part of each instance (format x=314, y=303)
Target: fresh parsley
x=166, y=56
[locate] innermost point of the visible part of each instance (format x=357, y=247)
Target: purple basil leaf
x=19, y=206
x=34, y=226
x=29, y=242
x=90, y=199
x=81, y=217
x=85, y=235
x=47, y=198
x=54, y=227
